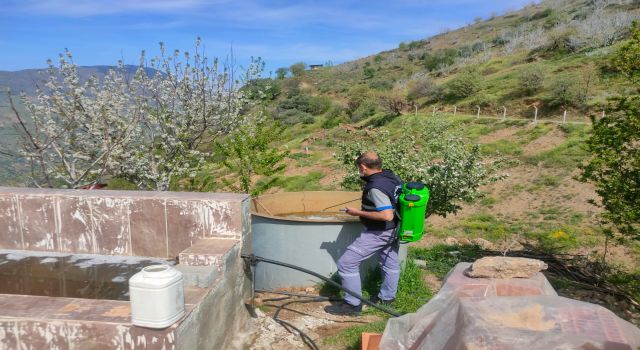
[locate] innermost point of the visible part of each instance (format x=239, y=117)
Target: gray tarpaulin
x=519, y=313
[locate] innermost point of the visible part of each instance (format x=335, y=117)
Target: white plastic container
x=157, y=296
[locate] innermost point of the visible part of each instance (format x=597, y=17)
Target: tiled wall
x=159, y=224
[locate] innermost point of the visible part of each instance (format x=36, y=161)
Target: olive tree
x=147, y=128
x=434, y=153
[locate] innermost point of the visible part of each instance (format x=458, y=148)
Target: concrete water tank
x=157, y=296
x=305, y=229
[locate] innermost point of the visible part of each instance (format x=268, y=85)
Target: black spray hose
x=253, y=260
x=305, y=338
x=300, y=295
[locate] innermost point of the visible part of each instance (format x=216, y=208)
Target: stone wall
x=159, y=224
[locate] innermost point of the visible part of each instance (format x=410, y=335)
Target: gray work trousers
x=368, y=243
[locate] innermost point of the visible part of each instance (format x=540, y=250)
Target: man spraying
x=379, y=202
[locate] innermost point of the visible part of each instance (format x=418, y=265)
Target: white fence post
x=603, y=113
x=455, y=110
x=434, y=111
x=478, y=115
x=504, y=112
x=564, y=117
x=416, y=110
x=535, y=115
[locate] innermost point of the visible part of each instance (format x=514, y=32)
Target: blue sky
x=281, y=32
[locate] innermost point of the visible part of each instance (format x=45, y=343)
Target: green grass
x=412, y=290
x=487, y=201
x=569, y=154
x=307, y=182
x=441, y=258
x=484, y=225
x=545, y=181
x=530, y=134
x=351, y=338
x=503, y=146
x=412, y=294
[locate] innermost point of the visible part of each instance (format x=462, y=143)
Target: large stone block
x=10, y=232
x=149, y=228
x=38, y=222
x=184, y=224
x=110, y=219
x=75, y=226
x=505, y=267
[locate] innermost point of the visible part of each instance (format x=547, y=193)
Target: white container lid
x=155, y=277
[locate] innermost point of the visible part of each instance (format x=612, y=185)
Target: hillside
x=553, y=55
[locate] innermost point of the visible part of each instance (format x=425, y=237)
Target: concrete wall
x=209, y=231
x=160, y=224
x=221, y=316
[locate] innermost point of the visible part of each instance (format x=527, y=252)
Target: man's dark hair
x=371, y=160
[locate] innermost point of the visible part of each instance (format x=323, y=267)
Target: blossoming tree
x=147, y=127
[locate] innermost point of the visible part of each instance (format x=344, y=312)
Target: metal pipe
x=333, y=206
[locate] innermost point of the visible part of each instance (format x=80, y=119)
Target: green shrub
x=293, y=116
x=560, y=42
x=297, y=69
x=464, y=85
x=439, y=59
x=300, y=102
x=531, y=79
x=565, y=91
x=381, y=84
x=314, y=105
x=336, y=115
x=356, y=96
x=265, y=89
x=499, y=40
x=366, y=109
x=369, y=72
x=424, y=87
x=483, y=99
x=382, y=120
x=542, y=14
x=319, y=105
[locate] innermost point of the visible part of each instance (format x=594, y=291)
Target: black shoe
x=375, y=299
x=343, y=309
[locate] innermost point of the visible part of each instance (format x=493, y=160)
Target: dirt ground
x=309, y=317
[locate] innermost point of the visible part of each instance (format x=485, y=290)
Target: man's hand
x=353, y=211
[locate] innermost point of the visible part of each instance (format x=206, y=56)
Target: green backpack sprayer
x=413, y=206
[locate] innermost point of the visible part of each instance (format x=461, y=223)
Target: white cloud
x=84, y=8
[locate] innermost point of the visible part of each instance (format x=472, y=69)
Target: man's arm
x=383, y=215
x=382, y=209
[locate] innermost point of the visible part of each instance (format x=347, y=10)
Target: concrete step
x=202, y=263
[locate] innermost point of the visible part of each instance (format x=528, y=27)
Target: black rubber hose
x=300, y=295
x=254, y=258
x=305, y=338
